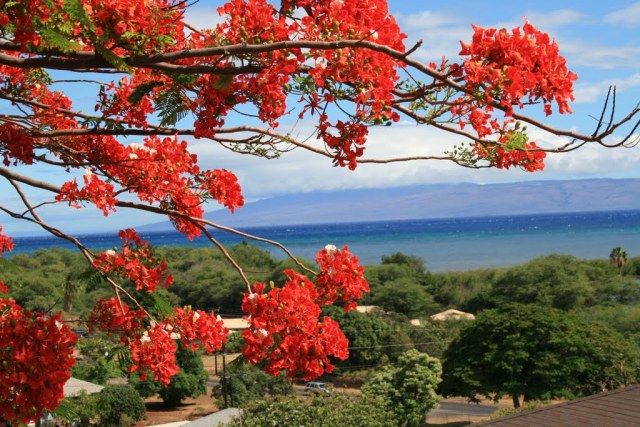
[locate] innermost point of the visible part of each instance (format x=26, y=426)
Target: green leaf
x=223, y=82
x=112, y=58
x=54, y=39
x=76, y=11
x=517, y=141
x=184, y=78
x=161, y=305
x=65, y=410
x=141, y=91
x=171, y=108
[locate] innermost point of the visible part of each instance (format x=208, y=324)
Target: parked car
x=316, y=388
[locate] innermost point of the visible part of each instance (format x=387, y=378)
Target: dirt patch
x=191, y=409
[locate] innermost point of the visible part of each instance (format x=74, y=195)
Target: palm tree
x=618, y=257
x=76, y=281
x=70, y=289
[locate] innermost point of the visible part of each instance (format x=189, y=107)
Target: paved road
x=299, y=389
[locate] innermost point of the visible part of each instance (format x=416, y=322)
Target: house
x=235, y=324
x=367, y=308
x=74, y=387
x=619, y=408
x=453, y=314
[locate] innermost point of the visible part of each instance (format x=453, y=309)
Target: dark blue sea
x=445, y=244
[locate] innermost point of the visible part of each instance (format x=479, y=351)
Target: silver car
x=316, y=387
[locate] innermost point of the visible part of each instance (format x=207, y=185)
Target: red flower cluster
x=508, y=69
x=3, y=288
x=15, y=143
x=36, y=356
x=198, y=329
x=155, y=352
x=6, y=243
x=95, y=190
x=160, y=170
x=224, y=187
x=512, y=149
x=287, y=333
x=153, y=349
x=348, y=145
x=529, y=158
x=341, y=277
x=372, y=74
x=114, y=316
x=121, y=25
x=511, y=66
x=135, y=262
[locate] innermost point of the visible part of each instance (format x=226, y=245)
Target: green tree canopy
x=416, y=264
x=405, y=296
x=408, y=388
x=535, y=352
x=241, y=382
x=328, y=411
x=560, y=281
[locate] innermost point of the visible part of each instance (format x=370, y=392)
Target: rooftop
x=618, y=408
x=73, y=387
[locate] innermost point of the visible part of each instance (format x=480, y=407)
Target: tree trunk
x=516, y=401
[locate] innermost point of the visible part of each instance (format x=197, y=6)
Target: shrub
x=352, y=379
x=328, y=411
x=182, y=386
x=408, y=388
x=242, y=382
x=82, y=409
x=115, y=401
x=234, y=343
x=504, y=412
x=100, y=359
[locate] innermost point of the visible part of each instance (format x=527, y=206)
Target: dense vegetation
x=528, y=315
x=536, y=352
x=115, y=405
x=333, y=411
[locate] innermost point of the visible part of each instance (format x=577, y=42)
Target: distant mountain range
x=433, y=201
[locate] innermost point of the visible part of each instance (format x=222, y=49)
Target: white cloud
x=440, y=32
x=547, y=20
x=591, y=160
x=595, y=160
x=301, y=171
x=629, y=15
x=598, y=56
x=591, y=92
x=428, y=19
x=556, y=18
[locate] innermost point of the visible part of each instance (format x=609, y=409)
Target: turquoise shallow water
x=445, y=244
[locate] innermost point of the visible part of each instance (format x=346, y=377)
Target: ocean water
x=445, y=244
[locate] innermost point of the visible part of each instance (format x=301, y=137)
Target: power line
x=398, y=345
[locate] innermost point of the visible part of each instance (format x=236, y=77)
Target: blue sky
x=601, y=41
